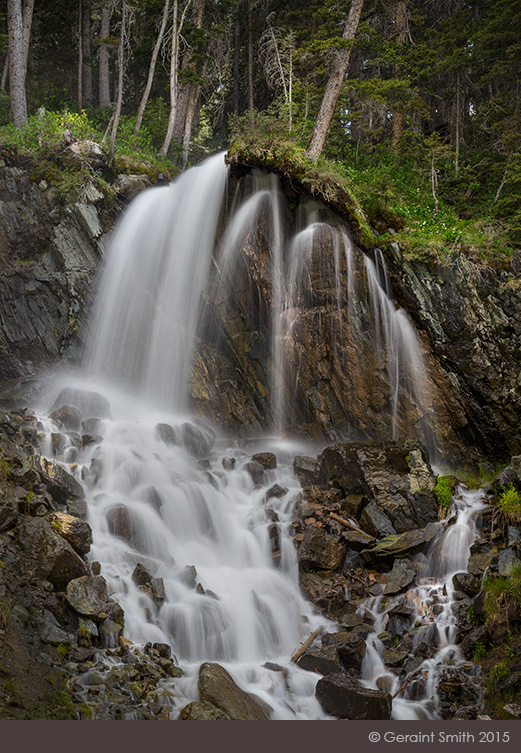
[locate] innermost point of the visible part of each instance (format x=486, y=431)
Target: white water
x=177, y=514
x=432, y=602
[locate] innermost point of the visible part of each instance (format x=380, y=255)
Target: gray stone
x=60, y=484
x=401, y=577
x=167, y=434
x=508, y=561
x=267, y=459
x=140, y=575
x=322, y=659
x=89, y=405
x=200, y=711
x=88, y=596
x=401, y=545
x=217, y=687
x=340, y=696
x=321, y=550
x=375, y=522
x=77, y=532
x=198, y=440
x=256, y=471
x=52, y=557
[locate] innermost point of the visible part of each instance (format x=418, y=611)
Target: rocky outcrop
x=470, y=319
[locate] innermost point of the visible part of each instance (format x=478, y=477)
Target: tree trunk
x=236, y=59
x=27, y=21
x=103, y=57
x=80, y=56
x=193, y=99
x=250, y=57
x=174, y=60
x=398, y=112
x=16, y=63
x=119, y=102
x=334, y=85
x=87, y=59
x=152, y=67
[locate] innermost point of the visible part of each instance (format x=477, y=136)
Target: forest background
x=425, y=126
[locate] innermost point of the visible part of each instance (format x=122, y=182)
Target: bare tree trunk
x=434, y=181
x=250, y=57
x=334, y=85
x=80, y=56
x=121, y=55
x=236, y=60
x=16, y=63
x=152, y=68
x=193, y=99
x=174, y=60
x=503, y=179
x=103, y=57
x=4, y=74
x=27, y=21
x=87, y=59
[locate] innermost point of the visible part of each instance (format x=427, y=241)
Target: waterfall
x=163, y=491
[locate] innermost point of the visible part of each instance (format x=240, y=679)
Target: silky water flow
x=203, y=530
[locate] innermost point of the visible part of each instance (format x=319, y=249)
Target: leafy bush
x=510, y=503
x=443, y=491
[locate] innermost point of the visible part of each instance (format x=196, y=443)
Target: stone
x=60, y=484
x=323, y=660
x=267, y=459
x=469, y=584
x=197, y=440
x=167, y=434
x=77, y=532
x=157, y=587
x=358, y=540
x=129, y=186
x=401, y=545
x=198, y=711
x=109, y=633
x=67, y=417
x=256, y=471
x=276, y=491
x=140, y=575
x=189, y=576
x=90, y=406
x=306, y=469
x=341, y=696
x=350, y=646
x=321, y=550
x=88, y=596
x=8, y=514
x=507, y=477
x=401, y=577
x=217, y=687
x=508, y=562
x=77, y=507
x=375, y=522
x=52, y=557
x=82, y=152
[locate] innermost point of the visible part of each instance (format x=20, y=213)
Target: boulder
x=129, y=186
x=167, y=434
x=81, y=153
x=350, y=646
x=256, y=471
x=67, y=417
x=321, y=550
x=217, y=687
x=341, y=696
x=306, y=469
x=51, y=556
x=199, y=711
x=88, y=596
x=60, y=484
x=267, y=459
x=401, y=545
x=401, y=577
x=321, y=659
x=375, y=522
x=75, y=531
x=198, y=440
x=90, y=405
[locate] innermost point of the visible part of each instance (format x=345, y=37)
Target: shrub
x=443, y=491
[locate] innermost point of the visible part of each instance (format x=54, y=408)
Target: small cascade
x=428, y=622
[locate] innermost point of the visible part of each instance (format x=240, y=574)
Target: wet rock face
x=217, y=688
x=472, y=321
x=343, y=697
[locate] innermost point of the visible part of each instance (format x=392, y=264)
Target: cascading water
x=159, y=492
x=432, y=621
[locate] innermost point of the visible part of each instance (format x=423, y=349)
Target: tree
x=152, y=67
x=103, y=56
x=16, y=63
x=334, y=84
x=121, y=67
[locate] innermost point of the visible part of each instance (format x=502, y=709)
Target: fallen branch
x=346, y=523
x=307, y=643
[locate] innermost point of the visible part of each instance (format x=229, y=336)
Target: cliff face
x=468, y=321
x=470, y=317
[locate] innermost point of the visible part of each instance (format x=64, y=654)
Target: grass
x=443, y=491
x=510, y=503
x=499, y=591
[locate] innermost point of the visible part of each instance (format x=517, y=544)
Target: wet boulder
x=306, y=469
x=321, y=659
x=400, y=578
x=89, y=404
x=167, y=434
x=350, y=647
x=375, y=522
x=341, y=696
x=321, y=550
x=401, y=545
x=60, y=484
x=67, y=417
x=267, y=459
x=217, y=687
x=197, y=440
x=256, y=471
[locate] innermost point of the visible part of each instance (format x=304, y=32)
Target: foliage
x=510, y=503
x=443, y=491
x=499, y=591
